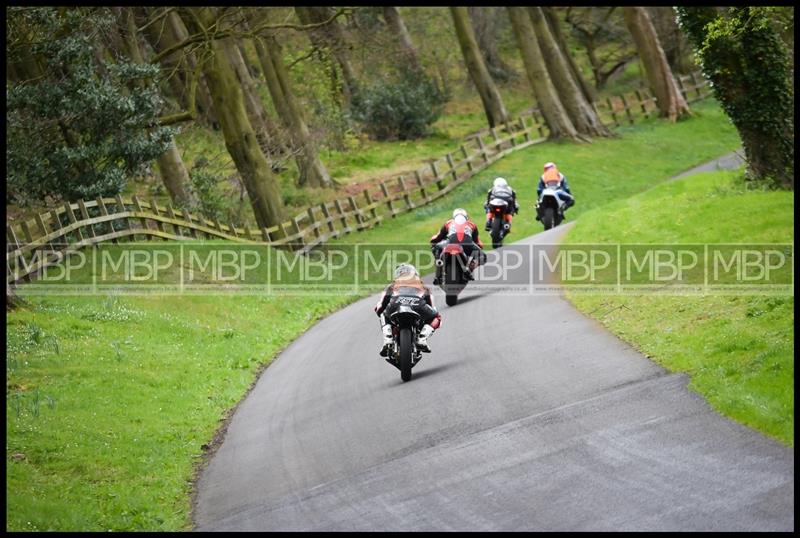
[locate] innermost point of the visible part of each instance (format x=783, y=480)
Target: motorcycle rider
x=407, y=283
x=552, y=177
x=501, y=189
x=460, y=230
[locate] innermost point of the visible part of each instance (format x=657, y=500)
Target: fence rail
x=50, y=236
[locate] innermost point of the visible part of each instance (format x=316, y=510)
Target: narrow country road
x=527, y=416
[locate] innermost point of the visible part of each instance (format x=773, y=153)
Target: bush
x=400, y=109
x=204, y=185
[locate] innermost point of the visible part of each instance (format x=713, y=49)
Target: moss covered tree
x=748, y=65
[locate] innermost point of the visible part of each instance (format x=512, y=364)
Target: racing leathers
x=504, y=193
x=398, y=293
x=556, y=179
x=459, y=231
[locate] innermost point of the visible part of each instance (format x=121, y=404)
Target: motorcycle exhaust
x=439, y=263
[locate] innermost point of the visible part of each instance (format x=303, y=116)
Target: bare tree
x=662, y=83
x=493, y=105
x=557, y=119
x=602, y=33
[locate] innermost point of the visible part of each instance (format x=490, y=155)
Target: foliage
x=204, y=185
x=748, y=64
x=602, y=33
x=738, y=349
x=398, y=109
x=74, y=130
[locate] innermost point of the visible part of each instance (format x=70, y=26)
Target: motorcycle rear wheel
x=496, y=233
x=406, y=348
x=549, y=218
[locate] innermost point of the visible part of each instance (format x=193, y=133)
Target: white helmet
x=405, y=270
x=460, y=211
x=500, y=182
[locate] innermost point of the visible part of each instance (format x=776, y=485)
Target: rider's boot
x=437, y=279
x=422, y=338
x=388, y=341
x=488, y=224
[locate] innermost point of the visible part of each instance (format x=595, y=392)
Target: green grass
x=110, y=400
x=738, y=350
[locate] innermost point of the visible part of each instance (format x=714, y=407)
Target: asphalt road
x=527, y=416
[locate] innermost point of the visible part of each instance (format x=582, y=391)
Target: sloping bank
x=737, y=348
x=111, y=401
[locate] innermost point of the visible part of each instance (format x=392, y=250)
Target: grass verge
x=738, y=350
x=112, y=400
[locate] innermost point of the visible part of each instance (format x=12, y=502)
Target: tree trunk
x=749, y=68
x=331, y=37
x=12, y=299
x=176, y=177
x=173, y=33
x=393, y=20
x=669, y=99
x=555, y=27
x=267, y=133
x=240, y=139
x=581, y=112
x=496, y=113
x=483, y=20
x=552, y=110
x=170, y=164
x=311, y=170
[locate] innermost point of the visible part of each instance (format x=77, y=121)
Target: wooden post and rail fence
x=46, y=239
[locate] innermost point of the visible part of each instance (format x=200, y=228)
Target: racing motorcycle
x=498, y=208
x=550, y=208
x=405, y=322
x=456, y=270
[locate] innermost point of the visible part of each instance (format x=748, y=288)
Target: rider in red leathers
x=463, y=231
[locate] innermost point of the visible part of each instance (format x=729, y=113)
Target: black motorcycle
x=499, y=227
x=405, y=322
x=456, y=272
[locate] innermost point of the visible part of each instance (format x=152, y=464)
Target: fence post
x=466, y=157
x=627, y=108
x=421, y=186
x=641, y=103
x=296, y=226
x=406, y=196
x=538, y=120
x=143, y=220
x=482, y=149
x=342, y=216
x=188, y=216
x=85, y=216
x=436, y=176
x=372, y=208
x=328, y=219
x=452, y=166
x=313, y=222
x=389, y=202
x=524, y=129
x=72, y=219
x=154, y=209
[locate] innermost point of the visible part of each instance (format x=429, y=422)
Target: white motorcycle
x=550, y=207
